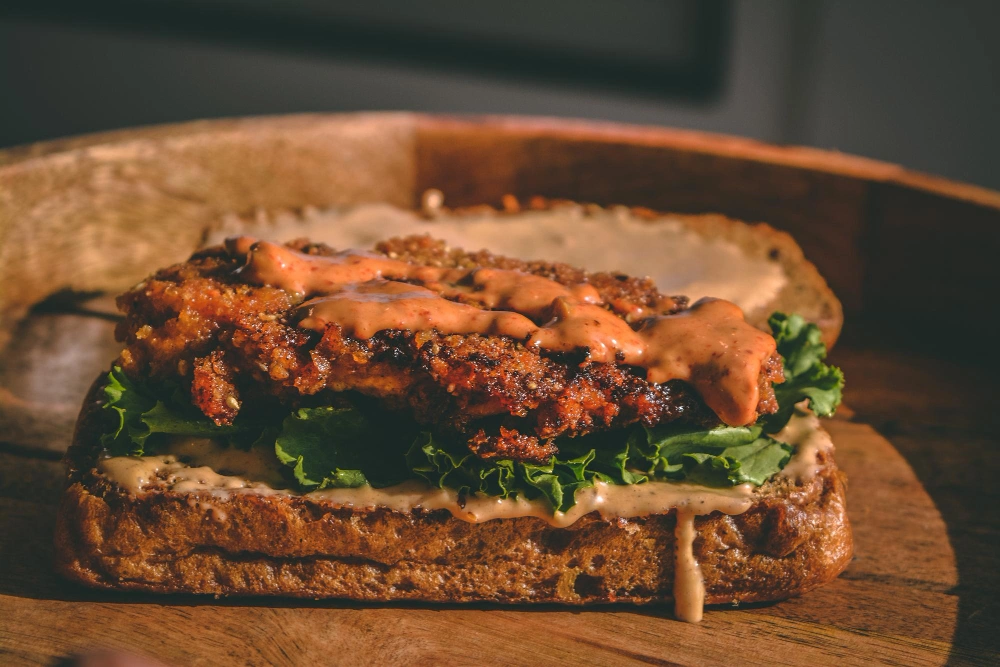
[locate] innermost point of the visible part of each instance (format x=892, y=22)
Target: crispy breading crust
x=795, y=537
x=237, y=344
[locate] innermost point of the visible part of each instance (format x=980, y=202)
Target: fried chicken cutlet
x=254, y=323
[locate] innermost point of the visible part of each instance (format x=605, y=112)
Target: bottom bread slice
x=793, y=538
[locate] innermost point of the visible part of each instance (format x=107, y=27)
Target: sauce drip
x=710, y=345
x=689, y=586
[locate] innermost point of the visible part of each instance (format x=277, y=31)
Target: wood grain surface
x=918, y=443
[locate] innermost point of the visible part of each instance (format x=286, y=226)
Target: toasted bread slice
x=521, y=230
x=794, y=537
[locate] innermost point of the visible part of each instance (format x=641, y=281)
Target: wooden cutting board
x=97, y=212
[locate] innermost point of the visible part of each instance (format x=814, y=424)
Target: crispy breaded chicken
x=237, y=346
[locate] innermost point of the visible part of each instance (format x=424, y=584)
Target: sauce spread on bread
x=704, y=257
x=709, y=345
x=197, y=465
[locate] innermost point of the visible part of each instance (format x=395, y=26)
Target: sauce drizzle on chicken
x=709, y=345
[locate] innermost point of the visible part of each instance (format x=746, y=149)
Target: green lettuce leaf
x=722, y=456
x=581, y=461
x=340, y=447
x=806, y=376
x=173, y=419
x=716, y=457
x=123, y=398
x=561, y=478
x=611, y=453
x=139, y=415
x=450, y=464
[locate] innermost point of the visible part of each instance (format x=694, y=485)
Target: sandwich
x=423, y=423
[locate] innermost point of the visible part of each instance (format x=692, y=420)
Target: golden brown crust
x=794, y=538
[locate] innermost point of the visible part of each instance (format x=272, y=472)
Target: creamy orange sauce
x=364, y=309
x=810, y=439
x=138, y=474
x=689, y=585
x=710, y=345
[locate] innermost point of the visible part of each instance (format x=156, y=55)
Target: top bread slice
x=804, y=292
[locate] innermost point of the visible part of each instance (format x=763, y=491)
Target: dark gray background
x=912, y=82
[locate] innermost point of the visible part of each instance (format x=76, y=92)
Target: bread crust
x=806, y=292
x=794, y=538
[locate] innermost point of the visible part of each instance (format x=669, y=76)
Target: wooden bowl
x=109, y=206
x=912, y=257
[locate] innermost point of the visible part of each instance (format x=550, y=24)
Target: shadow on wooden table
x=941, y=415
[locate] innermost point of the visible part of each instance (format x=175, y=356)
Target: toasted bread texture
x=793, y=538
